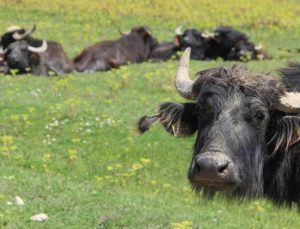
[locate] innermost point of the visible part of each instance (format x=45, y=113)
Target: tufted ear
x=177, y=119
x=286, y=134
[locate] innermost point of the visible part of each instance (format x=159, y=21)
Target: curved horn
x=17, y=36
x=125, y=33
x=207, y=34
x=13, y=28
x=289, y=103
x=40, y=49
x=2, y=51
x=178, y=30
x=183, y=83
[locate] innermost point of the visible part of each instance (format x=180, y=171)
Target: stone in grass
x=18, y=201
x=39, y=217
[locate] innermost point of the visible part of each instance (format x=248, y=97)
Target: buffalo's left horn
x=1, y=50
x=17, y=36
x=289, y=103
x=178, y=30
x=40, y=49
x=183, y=83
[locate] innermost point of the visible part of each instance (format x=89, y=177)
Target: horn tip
x=184, y=60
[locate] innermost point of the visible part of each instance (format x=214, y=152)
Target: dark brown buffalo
x=248, y=130
x=134, y=47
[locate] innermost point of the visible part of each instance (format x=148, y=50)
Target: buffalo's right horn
x=17, y=36
x=207, y=34
x=290, y=102
x=13, y=28
x=183, y=83
x=178, y=30
x=40, y=49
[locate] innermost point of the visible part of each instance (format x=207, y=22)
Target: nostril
x=222, y=165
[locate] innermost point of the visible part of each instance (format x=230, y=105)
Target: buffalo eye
x=260, y=115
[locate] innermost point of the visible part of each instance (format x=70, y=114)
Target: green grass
x=69, y=146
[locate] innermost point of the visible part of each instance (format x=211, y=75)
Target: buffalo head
x=20, y=54
x=192, y=38
x=145, y=34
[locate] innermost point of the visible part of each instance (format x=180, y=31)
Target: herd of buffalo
x=22, y=52
x=247, y=124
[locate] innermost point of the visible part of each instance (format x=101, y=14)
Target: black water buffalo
x=248, y=130
x=231, y=44
x=164, y=51
x=12, y=34
x=134, y=47
x=224, y=42
x=26, y=54
x=39, y=57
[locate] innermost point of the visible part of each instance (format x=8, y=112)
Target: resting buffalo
x=248, y=130
x=24, y=53
x=134, y=47
x=224, y=42
x=38, y=60
x=12, y=34
x=231, y=44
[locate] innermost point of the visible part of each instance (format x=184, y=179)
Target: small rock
x=104, y=218
x=18, y=201
x=39, y=217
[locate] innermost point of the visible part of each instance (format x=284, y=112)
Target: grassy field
x=69, y=145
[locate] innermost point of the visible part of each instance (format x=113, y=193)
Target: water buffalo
x=224, y=42
x=248, y=130
x=231, y=44
x=38, y=57
x=12, y=34
x=134, y=47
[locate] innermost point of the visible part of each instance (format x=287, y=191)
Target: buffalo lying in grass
x=26, y=54
x=224, y=42
x=248, y=130
x=134, y=47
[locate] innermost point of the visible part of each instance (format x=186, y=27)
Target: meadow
x=69, y=145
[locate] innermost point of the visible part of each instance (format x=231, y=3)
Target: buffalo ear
x=146, y=122
x=286, y=134
x=177, y=119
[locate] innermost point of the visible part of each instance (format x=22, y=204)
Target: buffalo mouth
x=215, y=173
x=212, y=185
